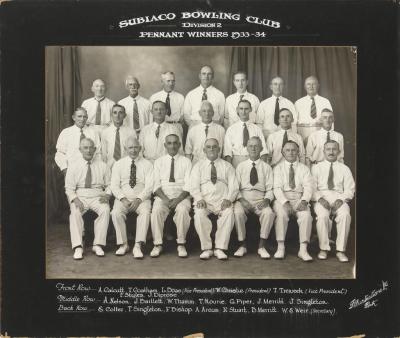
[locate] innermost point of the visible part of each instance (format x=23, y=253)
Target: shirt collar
x=166, y=93
x=135, y=98
x=161, y=124
x=244, y=94
x=205, y=125
x=329, y=163
x=251, y=162
x=215, y=161
x=83, y=128
x=315, y=96
x=294, y=163
x=276, y=97
x=208, y=88
x=99, y=100
x=326, y=131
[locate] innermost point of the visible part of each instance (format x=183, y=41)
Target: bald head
x=87, y=148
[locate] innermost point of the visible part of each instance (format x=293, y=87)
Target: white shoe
x=182, y=251
x=156, y=251
x=220, y=254
x=280, y=253
x=263, y=253
x=342, y=257
x=206, y=254
x=240, y=252
x=304, y=255
x=98, y=250
x=122, y=250
x=322, y=255
x=137, y=251
x=78, y=253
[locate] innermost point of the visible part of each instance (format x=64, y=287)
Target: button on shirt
x=316, y=142
x=91, y=107
x=120, y=177
x=342, y=179
x=162, y=168
x=231, y=104
x=76, y=177
x=303, y=179
x=274, y=145
x=233, y=144
x=265, y=178
x=176, y=101
x=193, y=102
x=68, y=145
x=303, y=108
x=144, y=109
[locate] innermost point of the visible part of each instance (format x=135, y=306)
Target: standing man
x=152, y=137
x=268, y=111
x=113, y=137
x=238, y=134
x=131, y=184
x=137, y=108
x=240, y=82
x=87, y=186
x=335, y=188
x=309, y=108
x=293, y=189
x=256, y=182
x=205, y=92
x=194, y=148
x=171, y=187
x=99, y=106
x=277, y=139
x=214, y=188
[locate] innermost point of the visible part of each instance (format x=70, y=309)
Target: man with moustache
x=334, y=190
x=256, y=182
x=205, y=92
x=240, y=82
x=214, y=188
x=171, y=188
x=131, y=184
x=194, y=148
x=87, y=186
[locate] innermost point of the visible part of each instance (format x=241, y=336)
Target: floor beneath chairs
x=60, y=263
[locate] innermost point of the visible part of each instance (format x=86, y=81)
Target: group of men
x=240, y=156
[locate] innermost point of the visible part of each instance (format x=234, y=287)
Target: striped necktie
x=204, y=97
x=117, y=145
x=292, y=183
x=213, y=176
x=136, y=124
x=168, y=105
x=82, y=136
x=313, y=112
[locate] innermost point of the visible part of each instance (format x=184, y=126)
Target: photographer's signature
x=369, y=300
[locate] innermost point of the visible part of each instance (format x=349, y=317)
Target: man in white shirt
x=214, y=188
x=268, y=110
x=68, y=141
x=205, y=92
x=334, y=189
x=152, y=137
x=278, y=138
x=293, y=189
x=99, y=106
x=317, y=140
x=131, y=184
x=239, y=133
x=137, y=108
x=256, y=182
x=309, y=108
x=194, y=148
x=240, y=82
x=87, y=186
x=113, y=137
x=173, y=100
x=171, y=187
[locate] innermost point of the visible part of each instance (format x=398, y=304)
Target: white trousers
x=203, y=227
x=181, y=218
x=76, y=224
x=324, y=224
x=118, y=215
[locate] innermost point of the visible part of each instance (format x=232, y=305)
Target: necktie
x=82, y=136
x=241, y=97
x=88, y=179
x=136, y=124
x=245, y=135
x=168, y=104
x=292, y=183
x=98, y=112
x=158, y=131
x=117, y=146
x=285, y=138
x=132, y=178
x=313, y=112
x=207, y=130
x=331, y=185
x=328, y=137
x=253, y=175
x=276, y=114
x=171, y=173
x=204, y=97
x=213, y=173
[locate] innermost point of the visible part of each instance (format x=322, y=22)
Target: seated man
x=171, y=187
x=255, y=195
x=214, y=188
x=335, y=188
x=87, y=187
x=293, y=189
x=131, y=184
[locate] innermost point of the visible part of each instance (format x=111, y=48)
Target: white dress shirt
x=274, y=145
x=343, y=180
x=193, y=102
x=176, y=101
x=303, y=108
x=68, y=145
x=196, y=138
x=316, y=142
x=121, y=174
x=91, y=107
x=144, y=110
x=233, y=144
x=162, y=171
x=265, y=178
x=231, y=104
